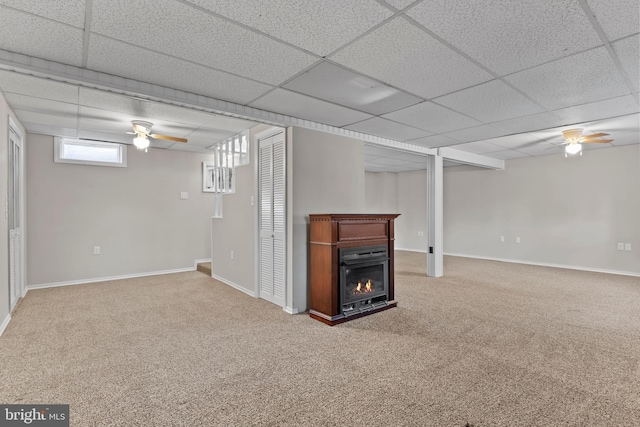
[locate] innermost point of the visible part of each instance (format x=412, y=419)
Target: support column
x=435, y=217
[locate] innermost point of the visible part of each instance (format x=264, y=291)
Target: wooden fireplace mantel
x=327, y=235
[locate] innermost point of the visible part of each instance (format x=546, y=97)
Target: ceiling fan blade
x=595, y=135
x=598, y=141
x=168, y=138
x=139, y=129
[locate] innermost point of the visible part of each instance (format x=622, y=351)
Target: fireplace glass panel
x=364, y=282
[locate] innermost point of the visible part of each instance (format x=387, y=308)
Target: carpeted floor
x=490, y=344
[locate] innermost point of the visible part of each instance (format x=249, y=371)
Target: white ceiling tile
x=404, y=56
x=413, y=158
x=514, y=141
x=596, y=146
x=98, y=120
x=479, y=147
x=113, y=57
x=197, y=37
x=628, y=51
x=40, y=37
x=400, y=4
x=294, y=104
x=585, y=77
x=11, y=82
x=613, y=107
x=138, y=108
x=434, y=141
x=476, y=133
x=158, y=143
x=119, y=137
x=45, y=129
x=542, y=149
x=388, y=129
x=336, y=84
x=623, y=124
x=68, y=122
x=490, y=102
x=178, y=146
x=410, y=167
x=319, y=27
x=432, y=117
x=505, y=36
x=39, y=105
x=626, y=138
x=618, y=18
x=67, y=11
x=109, y=101
x=508, y=154
x=529, y=123
x=207, y=137
x=230, y=124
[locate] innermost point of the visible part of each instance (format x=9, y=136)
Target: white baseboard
x=412, y=250
x=200, y=261
x=290, y=310
x=545, y=264
x=5, y=324
x=234, y=285
x=108, y=279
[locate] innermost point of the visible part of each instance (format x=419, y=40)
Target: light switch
x=627, y=246
x=621, y=246
x=184, y=195
x=517, y=239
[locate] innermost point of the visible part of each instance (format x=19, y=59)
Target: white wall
x=412, y=207
x=404, y=193
x=134, y=214
x=567, y=211
x=381, y=192
x=235, y=231
x=328, y=177
x=5, y=113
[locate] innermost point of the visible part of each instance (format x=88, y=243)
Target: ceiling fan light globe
x=573, y=148
x=141, y=143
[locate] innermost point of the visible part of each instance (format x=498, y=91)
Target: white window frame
x=58, y=149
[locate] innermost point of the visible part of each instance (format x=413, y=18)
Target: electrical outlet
x=502, y=239
x=627, y=246
x=518, y=239
x=231, y=254
x=96, y=250
x=253, y=200
x=621, y=246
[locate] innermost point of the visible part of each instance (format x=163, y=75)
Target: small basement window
x=87, y=152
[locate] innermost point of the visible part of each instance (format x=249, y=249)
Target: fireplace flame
x=363, y=289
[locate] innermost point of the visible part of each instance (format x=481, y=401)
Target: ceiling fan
x=142, y=130
x=574, y=140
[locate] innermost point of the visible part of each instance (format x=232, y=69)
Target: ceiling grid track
x=92, y=79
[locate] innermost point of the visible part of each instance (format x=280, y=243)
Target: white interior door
x=14, y=213
x=272, y=191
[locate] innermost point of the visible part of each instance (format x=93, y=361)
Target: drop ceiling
x=497, y=78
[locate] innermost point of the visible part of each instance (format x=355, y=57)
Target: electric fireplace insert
x=363, y=278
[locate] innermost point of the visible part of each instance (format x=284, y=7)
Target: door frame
x=20, y=276
x=267, y=133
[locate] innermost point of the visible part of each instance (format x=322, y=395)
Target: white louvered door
x=14, y=211
x=272, y=205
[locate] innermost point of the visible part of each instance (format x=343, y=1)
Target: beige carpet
x=491, y=344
